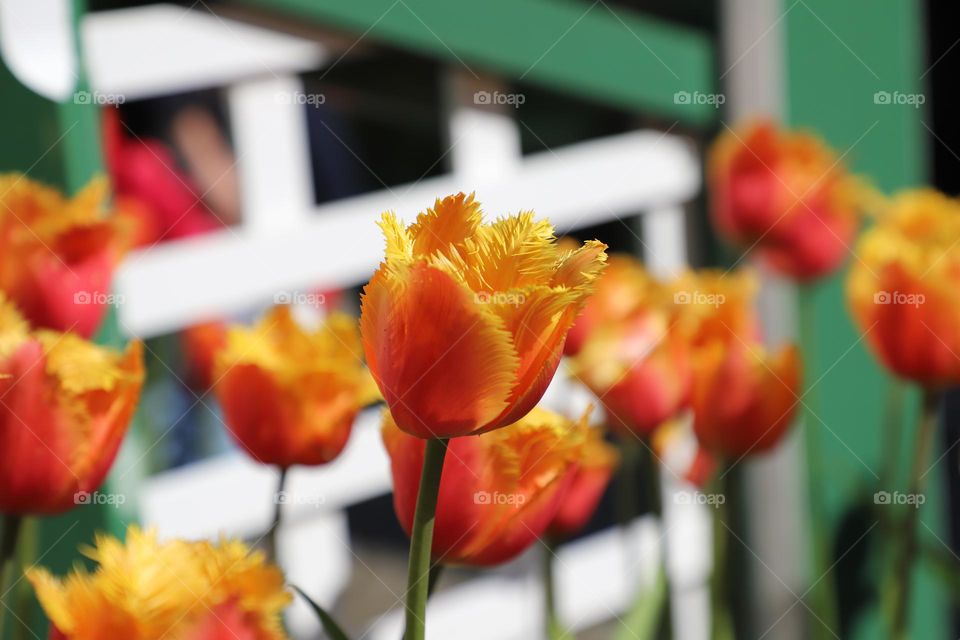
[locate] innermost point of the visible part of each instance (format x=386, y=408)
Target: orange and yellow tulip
x=144, y=590
x=57, y=255
x=290, y=396
x=631, y=351
x=498, y=492
x=904, y=291
x=66, y=406
x=785, y=194
x=639, y=368
x=464, y=322
x=591, y=474
x=743, y=398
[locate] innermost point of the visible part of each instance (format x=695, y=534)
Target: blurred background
x=256, y=141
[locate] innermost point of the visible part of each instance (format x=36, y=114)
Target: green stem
x=627, y=490
x=421, y=539
x=27, y=553
x=637, y=459
x=9, y=534
x=270, y=542
x=921, y=453
x=892, y=432
x=823, y=596
x=551, y=623
x=651, y=468
x=720, y=615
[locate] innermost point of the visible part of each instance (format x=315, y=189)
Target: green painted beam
x=835, y=65
x=614, y=56
x=56, y=143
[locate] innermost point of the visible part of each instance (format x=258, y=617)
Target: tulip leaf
x=330, y=626
x=642, y=622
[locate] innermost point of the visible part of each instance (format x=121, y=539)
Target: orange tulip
x=591, y=475
x=57, y=255
x=743, y=398
x=904, y=290
x=498, y=491
x=786, y=194
x=144, y=590
x=66, y=405
x=291, y=396
x=464, y=322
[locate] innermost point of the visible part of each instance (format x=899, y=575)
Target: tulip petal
x=582, y=266
x=782, y=381
x=143, y=589
x=399, y=243
x=37, y=445
x=590, y=477
x=538, y=322
x=111, y=411
x=446, y=226
x=743, y=400
x=65, y=408
x=512, y=253
x=498, y=491
x=524, y=527
x=451, y=380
